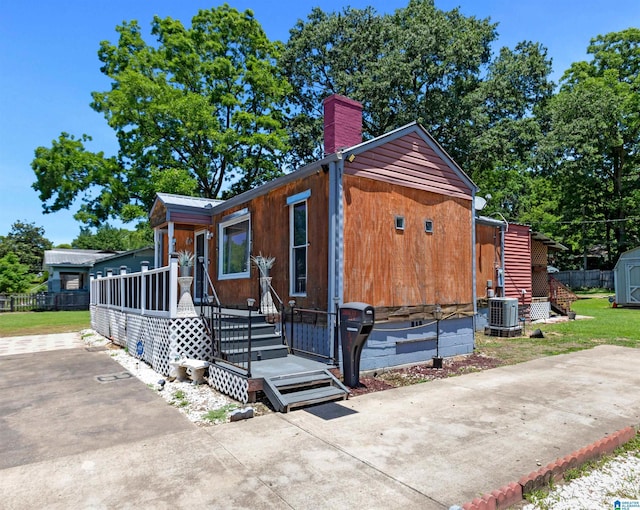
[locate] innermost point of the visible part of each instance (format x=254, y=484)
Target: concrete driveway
x=78, y=433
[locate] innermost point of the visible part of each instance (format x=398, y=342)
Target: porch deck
x=290, y=365
x=248, y=352
x=264, y=372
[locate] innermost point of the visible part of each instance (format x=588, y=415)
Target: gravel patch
x=616, y=479
x=201, y=404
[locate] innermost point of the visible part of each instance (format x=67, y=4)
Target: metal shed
x=626, y=276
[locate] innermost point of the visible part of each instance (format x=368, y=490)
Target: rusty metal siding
x=409, y=161
x=517, y=261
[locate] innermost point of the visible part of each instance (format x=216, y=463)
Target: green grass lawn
x=613, y=326
x=42, y=323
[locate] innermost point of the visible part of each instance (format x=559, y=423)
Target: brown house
x=389, y=222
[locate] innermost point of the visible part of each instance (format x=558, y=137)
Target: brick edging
x=511, y=494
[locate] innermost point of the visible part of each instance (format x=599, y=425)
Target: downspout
x=339, y=291
x=331, y=251
x=171, y=239
x=503, y=229
x=473, y=258
x=156, y=247
x=335, y=291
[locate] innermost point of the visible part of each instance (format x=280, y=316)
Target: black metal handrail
x=214, y=327
x=310, y=332
x=207, y=281
x=281, y=311
x=233, y=339
x=283, y=334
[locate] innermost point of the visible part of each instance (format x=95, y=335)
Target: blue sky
x=49, y=66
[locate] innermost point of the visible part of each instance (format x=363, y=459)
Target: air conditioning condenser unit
x=503, y=313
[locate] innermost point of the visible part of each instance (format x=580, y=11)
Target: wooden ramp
x=286, y=392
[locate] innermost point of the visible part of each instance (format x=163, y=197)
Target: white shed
x=626, y=276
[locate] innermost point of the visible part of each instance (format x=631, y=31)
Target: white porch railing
x=151, y=292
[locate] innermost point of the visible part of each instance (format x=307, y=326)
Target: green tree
x=420, y=64
x=199, y=107
x=107, y=237
x=330, y=53
x=28, y=243
x=13, y=275
x=593, y=147
x=67, y=170
x=507, y=121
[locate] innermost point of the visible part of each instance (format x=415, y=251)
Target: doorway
x=199, y=281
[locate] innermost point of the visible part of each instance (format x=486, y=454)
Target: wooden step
x=284, y=383
x=231, y=332
x=561, y=296
x=240, y=330
x=257, y=342
x=312, y=396
x=286, y=392
x=257, y=353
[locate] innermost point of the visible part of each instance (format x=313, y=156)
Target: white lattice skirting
x=540, y=310
x=227, y=382
x=155, y=340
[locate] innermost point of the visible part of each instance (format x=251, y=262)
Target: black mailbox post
x=356, y=323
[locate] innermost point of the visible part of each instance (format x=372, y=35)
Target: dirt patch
x=422, y=373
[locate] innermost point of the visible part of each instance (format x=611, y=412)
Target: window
x=299, y=242
x=399, y=222
x=71, y=281
x=234, y=244
x=428, y=226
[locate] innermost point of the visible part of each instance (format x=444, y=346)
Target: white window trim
x=428, y=223
x=232, y=220
x=292, y=283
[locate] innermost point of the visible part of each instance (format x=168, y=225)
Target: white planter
x=267, y=306
x=185, y=305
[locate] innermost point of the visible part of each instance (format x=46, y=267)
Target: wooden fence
x=592, y=279
x=44, y=301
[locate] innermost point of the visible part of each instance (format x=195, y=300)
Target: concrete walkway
x=39, y=343
x=75, y=434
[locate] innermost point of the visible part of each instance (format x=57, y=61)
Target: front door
x=199, y=281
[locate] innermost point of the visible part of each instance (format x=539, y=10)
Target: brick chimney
x=342, y=123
